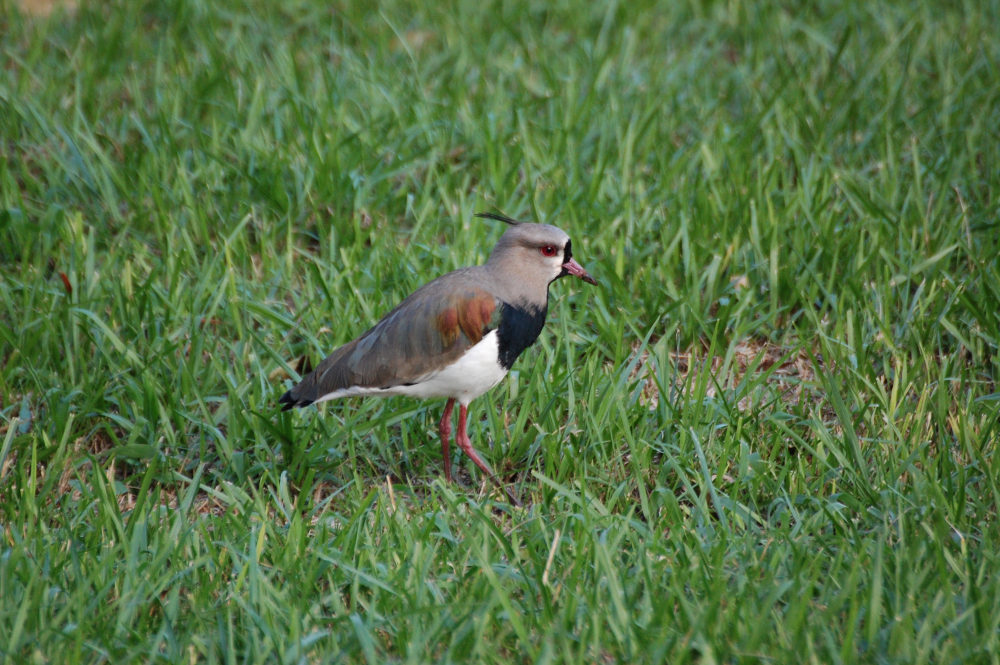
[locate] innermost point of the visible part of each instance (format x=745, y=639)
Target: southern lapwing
x=455, y=337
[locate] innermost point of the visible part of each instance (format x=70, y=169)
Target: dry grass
x=45, y=7
x=791, y=373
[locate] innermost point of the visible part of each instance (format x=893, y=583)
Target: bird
x=455, y=337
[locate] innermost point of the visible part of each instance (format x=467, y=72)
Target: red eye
x=549, y=250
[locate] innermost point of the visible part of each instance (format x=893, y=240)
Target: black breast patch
x=519, y=328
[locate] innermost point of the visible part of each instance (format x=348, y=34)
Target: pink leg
x=462, y=439
x=444, y=429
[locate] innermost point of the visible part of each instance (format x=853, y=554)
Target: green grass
x=770, y=434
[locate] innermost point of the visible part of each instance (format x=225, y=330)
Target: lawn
x=770, y=433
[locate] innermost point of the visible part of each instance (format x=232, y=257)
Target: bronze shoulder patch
x=447, y=325
x=474, y=315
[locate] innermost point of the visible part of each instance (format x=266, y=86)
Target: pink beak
x=571, y=267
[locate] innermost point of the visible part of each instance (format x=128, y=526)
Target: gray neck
x=512, y=284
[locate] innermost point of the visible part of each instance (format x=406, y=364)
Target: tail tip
x=289, y=401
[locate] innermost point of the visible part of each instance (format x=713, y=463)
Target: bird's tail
x=290, y=401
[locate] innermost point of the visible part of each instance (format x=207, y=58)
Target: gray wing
x=429, y=330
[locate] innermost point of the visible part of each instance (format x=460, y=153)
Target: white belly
x=466, y=379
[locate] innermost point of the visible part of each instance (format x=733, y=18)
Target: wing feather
x=429, y=330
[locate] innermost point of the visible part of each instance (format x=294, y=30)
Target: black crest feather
x=498, y=217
